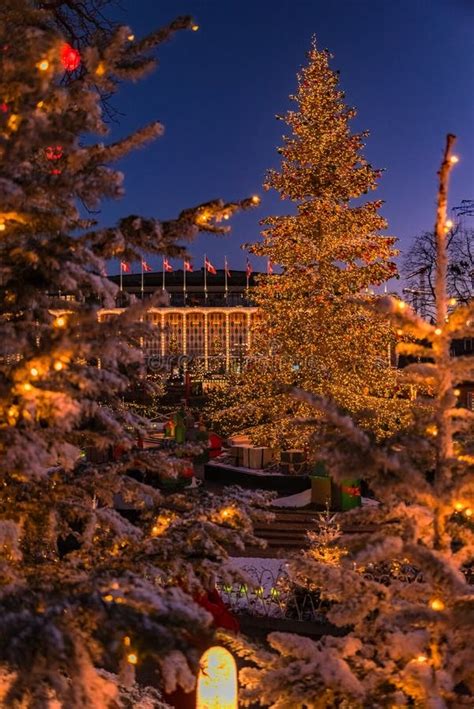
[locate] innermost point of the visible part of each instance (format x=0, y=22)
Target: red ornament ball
x=54, y=152
x=70, y=57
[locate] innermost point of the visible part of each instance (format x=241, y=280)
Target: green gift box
x=350, y=494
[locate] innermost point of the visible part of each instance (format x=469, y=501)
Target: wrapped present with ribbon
x=350, y=494
x=293, y=462
x=256, y=457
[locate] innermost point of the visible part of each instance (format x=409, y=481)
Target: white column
x=227, y=341
x=185, y=338
x=206, y=344
x=249, y=326
x=162, y=335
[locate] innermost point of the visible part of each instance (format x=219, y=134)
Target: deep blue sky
x=407, y=65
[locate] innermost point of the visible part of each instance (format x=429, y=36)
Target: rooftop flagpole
x=225, y=278
x=184, y=282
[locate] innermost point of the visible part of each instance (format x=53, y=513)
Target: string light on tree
x=339, y=349
x=60, y=321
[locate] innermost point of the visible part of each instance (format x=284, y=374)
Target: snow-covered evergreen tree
x=85, y=593
x=409, y=632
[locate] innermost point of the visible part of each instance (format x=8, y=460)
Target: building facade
x=204, y=324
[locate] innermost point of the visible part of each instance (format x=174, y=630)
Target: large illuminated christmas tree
x=313, y=332
x=85, y=592
x=401, y=590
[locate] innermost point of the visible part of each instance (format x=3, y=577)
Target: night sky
x=406, y=65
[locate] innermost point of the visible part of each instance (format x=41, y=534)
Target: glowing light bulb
x=449, y=223
x=401, y=305
x=195, y=28
x=399, y=332
x=3, y=226
x=40, y=104
x=454, y=159
x=108, y=598
x=217, y=686
x=131, y=37
x=458, y=506
x=27, y=387
x=132, y=658
x=34, y=372
x=43, y=65
x=100, y=71
x=437, y=604
x=58, y=366
x=421, y=658
x=457, y=392
x=468, y=512
x=431, y=430
x=452, y=301
x=126, y=641
x=438, y=331
x=60, y=321
x=256, y=199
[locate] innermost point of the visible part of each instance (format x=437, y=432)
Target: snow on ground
x=301, y=499
x=259, y=566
